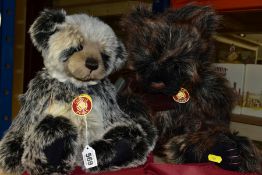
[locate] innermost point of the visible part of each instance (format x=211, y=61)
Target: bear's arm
x=11, y=146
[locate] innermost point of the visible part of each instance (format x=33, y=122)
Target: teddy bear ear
x=137, y=18
x=204, y=18
x=121, y=55
x=44, y=26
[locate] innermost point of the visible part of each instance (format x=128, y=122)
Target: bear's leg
x=122, y=146
x=197, y=146
x=188, y=148
x=251, y=160
x=11, y=150
x=50, y=147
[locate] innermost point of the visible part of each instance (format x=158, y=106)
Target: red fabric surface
x=151, y=168
x=188, y=169
x=166, y=169
x=169, y=169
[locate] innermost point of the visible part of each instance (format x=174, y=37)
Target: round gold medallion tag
x=182, y=96
x=82, y=105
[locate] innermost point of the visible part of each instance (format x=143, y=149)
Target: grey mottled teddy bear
x=56, y=121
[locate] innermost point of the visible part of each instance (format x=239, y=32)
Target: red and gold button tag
x=182, y=96
x=82, y=105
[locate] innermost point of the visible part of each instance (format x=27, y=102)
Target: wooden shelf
x=99, y=7
x=251, y=120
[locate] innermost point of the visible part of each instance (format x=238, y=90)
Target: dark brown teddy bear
x=190, y=103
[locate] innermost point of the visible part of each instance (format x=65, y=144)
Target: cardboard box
x=252, y=105
x=234, y=73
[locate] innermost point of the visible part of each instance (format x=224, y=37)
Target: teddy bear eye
x=105, y=56
x=79, y=48
x=69, y=52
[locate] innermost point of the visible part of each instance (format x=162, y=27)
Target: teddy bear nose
x=91, y=64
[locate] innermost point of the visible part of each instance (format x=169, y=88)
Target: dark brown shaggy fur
x=174, y=50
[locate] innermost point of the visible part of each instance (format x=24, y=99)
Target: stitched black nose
x=91, y=64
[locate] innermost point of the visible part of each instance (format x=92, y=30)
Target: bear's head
x=164, y=49
x=76, y=48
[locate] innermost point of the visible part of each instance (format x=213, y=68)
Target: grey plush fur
x=47, y=137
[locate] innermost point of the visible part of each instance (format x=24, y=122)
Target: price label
x=89, y=157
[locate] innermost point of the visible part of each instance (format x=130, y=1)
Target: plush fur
x=173, y=50
x=46, y=137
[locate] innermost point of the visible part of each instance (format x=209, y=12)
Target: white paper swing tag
x=89, y=157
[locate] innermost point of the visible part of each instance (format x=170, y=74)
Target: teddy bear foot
x=228, y=151
x=238, y=153
x=112, y=154
x=250, y=158
x=57, y=155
